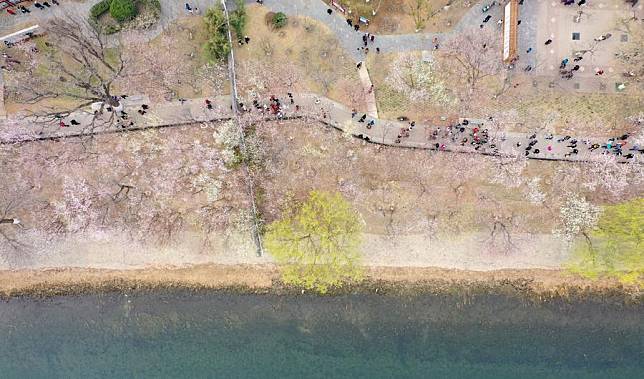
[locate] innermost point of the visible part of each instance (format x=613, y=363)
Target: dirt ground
x=472, y=208
x=304, y=56
x=46, y=283
x=169, y=198
x=173, y=65
x=395, y=16
x=151, y=186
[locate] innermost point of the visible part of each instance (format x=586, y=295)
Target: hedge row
x=99, y=8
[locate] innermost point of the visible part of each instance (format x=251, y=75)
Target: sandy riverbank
x=265, y=278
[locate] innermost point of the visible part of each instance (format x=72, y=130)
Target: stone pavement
x=369, y=93
x=331, y=113
x=158, y=115
x=386, y=132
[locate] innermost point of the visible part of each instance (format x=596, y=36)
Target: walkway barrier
x=22, y=35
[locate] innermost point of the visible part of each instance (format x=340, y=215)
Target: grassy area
x=302, y=56
x=177, y=63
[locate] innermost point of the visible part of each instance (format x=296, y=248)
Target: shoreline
x=536, y=284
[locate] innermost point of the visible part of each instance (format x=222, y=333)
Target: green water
x=187, y=335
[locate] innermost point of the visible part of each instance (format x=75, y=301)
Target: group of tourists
x=367, y=38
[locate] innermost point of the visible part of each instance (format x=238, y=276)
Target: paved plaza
x=571, y=39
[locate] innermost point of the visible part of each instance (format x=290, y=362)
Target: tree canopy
x=317, y=242
x=614, y=248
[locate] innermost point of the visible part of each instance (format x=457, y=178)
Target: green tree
x=317, y=243
x=614, y=248
x=217, y=46
x=238, y=19
x=122, y=10
x=279, y=20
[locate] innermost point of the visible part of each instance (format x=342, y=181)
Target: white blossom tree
x=417, y=79
x=577, y=217
x=608, y=174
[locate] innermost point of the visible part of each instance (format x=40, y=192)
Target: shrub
x=238, y=19
x=122, y=10
x=217, y=47
x=154, y=6
x=111, y=29
x=99, y=8
x=279, y=20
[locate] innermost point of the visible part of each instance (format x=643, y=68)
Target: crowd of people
x=474, y=135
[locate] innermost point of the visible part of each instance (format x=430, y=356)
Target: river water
x=218, y=335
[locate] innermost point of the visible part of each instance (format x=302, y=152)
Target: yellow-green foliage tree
x=614, y=248
x=317, y=242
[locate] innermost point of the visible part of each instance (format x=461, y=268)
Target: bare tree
x=78, y=69
x=420, y=11
x=476, y=53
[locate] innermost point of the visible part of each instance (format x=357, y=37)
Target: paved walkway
x=316, y=9
x=158, y=115
x=352, y=40
x=392, y=133
x=369, y=93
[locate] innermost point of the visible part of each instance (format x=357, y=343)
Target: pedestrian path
x=174, y=113
x=351, y=40
x=463, y=136
x=316, y=9
x=369, y=93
